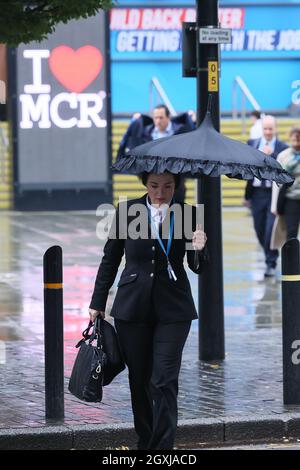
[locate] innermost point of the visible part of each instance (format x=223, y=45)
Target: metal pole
x=234, y=101
x=243, y=114
x=211, y=301
x=290, y=262
x=53, y=333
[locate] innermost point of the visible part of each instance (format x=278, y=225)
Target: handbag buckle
x=97, y=371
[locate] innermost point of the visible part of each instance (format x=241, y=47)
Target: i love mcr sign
x=63, y=132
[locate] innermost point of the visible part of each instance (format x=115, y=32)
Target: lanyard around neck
x=158, y=236
x=171, y=272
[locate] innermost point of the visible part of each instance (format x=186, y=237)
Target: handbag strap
x=98, y=327
x=86, y=333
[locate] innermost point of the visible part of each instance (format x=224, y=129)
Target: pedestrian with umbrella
x=153, y=308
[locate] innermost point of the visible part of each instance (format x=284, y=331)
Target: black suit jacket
x=145, y=280
x=279, y=146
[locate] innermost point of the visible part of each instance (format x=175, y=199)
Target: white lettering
x=147, y=19
x=296, y=94
x=106, y=212
x=42, y=110
x=168, y=18
x=91, y=112
x=70, y=98
x=231, y=17
x=190, y=15
x=173, y=19
x=36, y=55
x=237, y=18
x=37, y=112
x=121, y=42
x=149, y=41
x=117, y=18
x=261, y=40
x=289, y=40
x=114, y=460
x=133, y=15
x=296, y=354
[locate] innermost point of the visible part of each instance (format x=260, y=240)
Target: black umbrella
x=203, y=151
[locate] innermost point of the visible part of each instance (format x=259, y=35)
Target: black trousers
x=292, y=216
x=153, y=353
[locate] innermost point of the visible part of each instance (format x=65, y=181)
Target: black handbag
x=86, y=379
x=96, y=365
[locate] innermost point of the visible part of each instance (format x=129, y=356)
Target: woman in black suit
x=153, y=307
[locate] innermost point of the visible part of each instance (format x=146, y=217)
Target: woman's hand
x=199, y=238
x=94, y=314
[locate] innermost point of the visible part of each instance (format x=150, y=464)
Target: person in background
x=258, y=194
x=193, y=116
x=143, y=128
x=287, y=207
x=153, y=308
x=256, y=131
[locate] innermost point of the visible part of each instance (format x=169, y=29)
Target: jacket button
x=152, y=261
x=153, y=248
x=151, y=274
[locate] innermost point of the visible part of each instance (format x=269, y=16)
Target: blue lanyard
x=170, y=234
x=169, y=267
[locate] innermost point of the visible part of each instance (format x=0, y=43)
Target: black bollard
x=291, y=321
x=53, y=333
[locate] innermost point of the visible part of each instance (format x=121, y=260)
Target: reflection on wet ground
x=250, y=300
x=240, y=385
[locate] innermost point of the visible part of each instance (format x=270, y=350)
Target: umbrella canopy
x=203, y=151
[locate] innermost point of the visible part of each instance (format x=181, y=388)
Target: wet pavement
x=248, y=383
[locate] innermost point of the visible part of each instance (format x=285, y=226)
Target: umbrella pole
x=211, y=299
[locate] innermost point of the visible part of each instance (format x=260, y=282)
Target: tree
x=25, y=21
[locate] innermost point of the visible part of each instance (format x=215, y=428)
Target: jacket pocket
x=127, y=279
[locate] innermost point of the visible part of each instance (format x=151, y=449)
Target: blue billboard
x=146, y=43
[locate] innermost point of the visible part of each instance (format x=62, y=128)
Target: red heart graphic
x=75, y=70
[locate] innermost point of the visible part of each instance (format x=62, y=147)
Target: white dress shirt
x=271, y=143
x=157, y=134
x=256, y=131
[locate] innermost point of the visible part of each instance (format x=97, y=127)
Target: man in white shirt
x=258, y=193
x=163, y=126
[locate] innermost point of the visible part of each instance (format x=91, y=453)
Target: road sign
x=215, y=36
x=213, y=82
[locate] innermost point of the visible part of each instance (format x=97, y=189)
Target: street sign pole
x=200, y=59
x=211, y=299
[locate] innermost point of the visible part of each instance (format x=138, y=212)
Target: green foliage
x=25, y=21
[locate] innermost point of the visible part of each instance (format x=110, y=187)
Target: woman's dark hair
x=144, y=178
